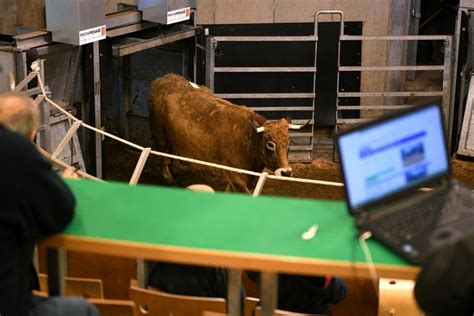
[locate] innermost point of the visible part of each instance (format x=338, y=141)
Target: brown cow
x=189, y=121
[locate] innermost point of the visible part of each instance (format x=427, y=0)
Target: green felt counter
x=232, y=230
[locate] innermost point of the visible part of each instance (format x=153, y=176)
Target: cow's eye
x=271, y=146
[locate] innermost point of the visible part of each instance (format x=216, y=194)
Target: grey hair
x=19, y=113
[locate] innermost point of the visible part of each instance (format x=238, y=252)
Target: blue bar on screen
x=368, y=151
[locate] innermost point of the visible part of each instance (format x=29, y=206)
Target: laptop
x=397, y=179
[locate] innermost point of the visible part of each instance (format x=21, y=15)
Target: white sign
x=92, y=35
x=178, y=15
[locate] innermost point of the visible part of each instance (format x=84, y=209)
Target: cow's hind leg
x=162, y=144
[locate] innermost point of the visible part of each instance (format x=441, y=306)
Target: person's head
x=19, y=113
x=200, y=188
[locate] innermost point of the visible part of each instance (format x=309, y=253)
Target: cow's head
x=274, y=146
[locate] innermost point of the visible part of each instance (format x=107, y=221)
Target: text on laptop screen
x=393, y=155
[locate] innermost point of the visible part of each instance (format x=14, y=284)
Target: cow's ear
x=288, y=119
x=256, y=126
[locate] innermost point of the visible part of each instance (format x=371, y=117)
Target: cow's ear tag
x=195, y=86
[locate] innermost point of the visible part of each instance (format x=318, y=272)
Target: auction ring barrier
x=145, y=152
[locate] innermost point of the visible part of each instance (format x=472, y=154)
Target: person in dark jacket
x=445, y=285
x=305, y=294
x=190, y=280
x=34, y=203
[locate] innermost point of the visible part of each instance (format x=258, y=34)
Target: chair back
x=114, y=307
x=258, y=312
x=84, y=287
x=250, y=304
x=157, y=303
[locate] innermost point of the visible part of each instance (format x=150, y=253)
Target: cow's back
x=198, y=124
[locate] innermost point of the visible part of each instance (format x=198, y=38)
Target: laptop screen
x=393, y=155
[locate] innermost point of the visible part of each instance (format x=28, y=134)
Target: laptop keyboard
x=443, y=209
x=404, y=226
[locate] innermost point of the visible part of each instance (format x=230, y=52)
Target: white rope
x=61, y=164
x=368, y=257
x=205, y=163
x=157, y=153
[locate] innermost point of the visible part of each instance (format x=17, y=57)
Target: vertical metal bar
x=462, y=91
x=413, y=30
x=269, y=292
x=36, y=258
x=260, y=183
x=315, y=64
x=455, y=52
x=140, y=165
x=341, y=33
x=24, y=64
x=234, y=295
x=46, y=111
x=142, y=273
x=337, y=89
x=194, y=17
x=448, y=107
x=210, y=62
x=184, y=59
x=125, y=63
x=40, y=136
x=97, y=109
x=463, y=147
x=57, y=271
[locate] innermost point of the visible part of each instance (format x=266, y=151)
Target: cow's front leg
x=237, y=183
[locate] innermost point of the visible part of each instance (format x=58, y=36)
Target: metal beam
x=264, y=69
x=119, y=19
x=281, y=108
x=394, y=38
x=310, y=38
x=265, y=95
x=391, y=68
x=97, y=109
x=130, y=29
x=31, y=40
x=372, y=107
x=391, y=94
x=355, y=121
x=121, y=50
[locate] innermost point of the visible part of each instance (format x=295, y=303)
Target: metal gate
x=444, y=93
x=466, y=142
x=304, y=152
x=301, y=147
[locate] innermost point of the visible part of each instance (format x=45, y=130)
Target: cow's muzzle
x=284, y=172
